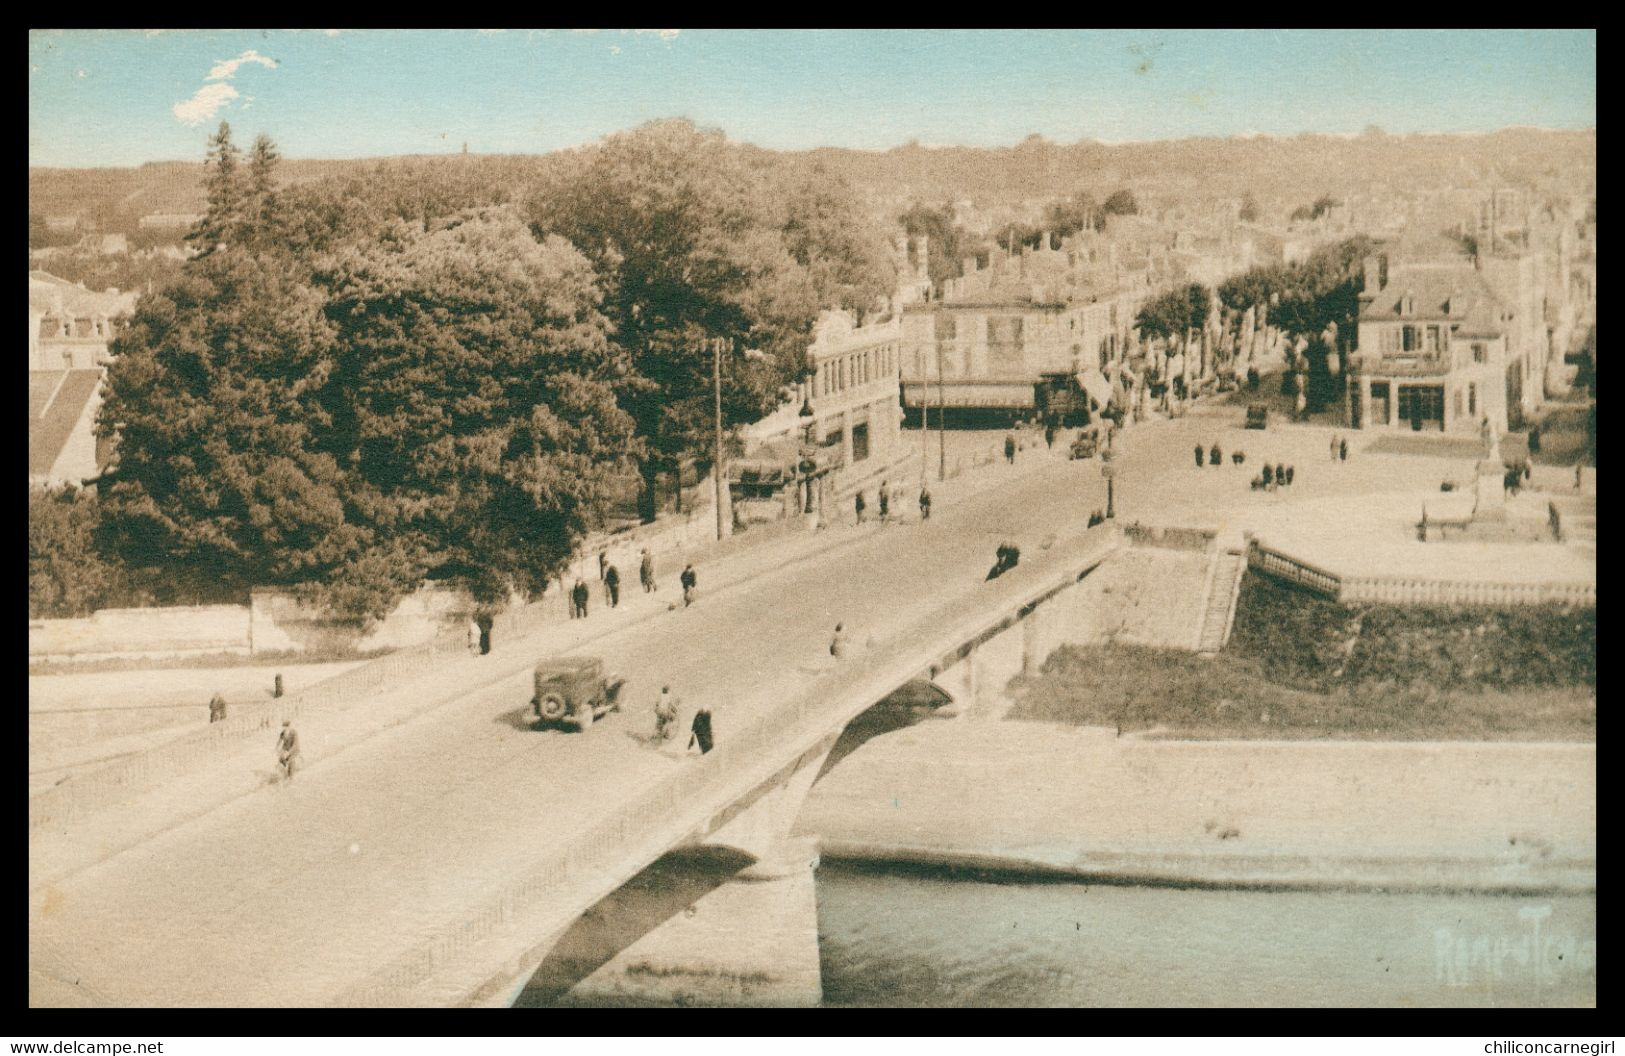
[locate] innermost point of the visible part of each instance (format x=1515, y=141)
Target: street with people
x=433, y=803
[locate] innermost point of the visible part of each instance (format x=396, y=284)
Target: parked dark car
x=573, y=691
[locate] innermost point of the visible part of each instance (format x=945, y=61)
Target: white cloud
x=331, y=32
x=663, y=34
x=226, y=70
x=205, y=103
x=216, y=93
x=614, y=49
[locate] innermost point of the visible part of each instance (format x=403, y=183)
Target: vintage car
x=1085, y=445
x=570, y=692
x=1258, y=416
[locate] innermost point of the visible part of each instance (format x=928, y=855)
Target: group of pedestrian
x=1339, y=449
x=666, y=708
x=1215, y=456
x=1272, y=477
x=883, y=500
x=580, y=595
x=1096, y=518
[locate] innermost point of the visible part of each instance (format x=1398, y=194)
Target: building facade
x=1432, y=352
x=841, y=428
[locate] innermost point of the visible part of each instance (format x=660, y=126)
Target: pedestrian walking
x=1200, y=454
x=1280, y=474
x=665, y=715
x=276, y=687
x=837, y=644
x=1579, y=476
x=885, y=500
x=700, y=733
x=860, y=505
x=288, y=757
x=1216, y=456
x=646, y=571
x=1049, y=436
x=1342, y=450
x=217, y=709
x=578, y=599
x=603, y=563
x=1528, y=471
x=1010, y=448
x=1269, y=474
x=1289, y=476
x=1534, y=440
x=690, y=582
x=1334, y=447
x=925, y=503
x=612, y=584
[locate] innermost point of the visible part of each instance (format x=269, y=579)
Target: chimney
x=1373, y=275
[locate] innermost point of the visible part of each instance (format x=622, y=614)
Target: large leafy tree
x=947, y=243
x=353, y=411
x=684, y=230
x=475, y=400
x=67, y=575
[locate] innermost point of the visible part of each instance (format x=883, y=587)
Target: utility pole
x=716, y=381
x=942, y=427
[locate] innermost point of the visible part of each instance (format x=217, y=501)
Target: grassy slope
x=1299, y=666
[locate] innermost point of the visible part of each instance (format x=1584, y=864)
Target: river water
x=897, y=936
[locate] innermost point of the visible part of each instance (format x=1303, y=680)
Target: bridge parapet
x=498, y=941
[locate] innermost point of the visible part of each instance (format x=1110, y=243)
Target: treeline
x=1314, y=302
x=364, y=382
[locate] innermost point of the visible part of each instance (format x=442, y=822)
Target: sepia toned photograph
x=613, y=518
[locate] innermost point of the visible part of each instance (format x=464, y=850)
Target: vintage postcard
x=758, y=518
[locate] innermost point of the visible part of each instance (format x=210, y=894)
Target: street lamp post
x=942, y=426
x=716, y=380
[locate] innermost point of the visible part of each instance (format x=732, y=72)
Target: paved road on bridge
x=288, y=896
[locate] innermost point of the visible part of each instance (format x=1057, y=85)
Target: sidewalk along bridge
x=757, y=937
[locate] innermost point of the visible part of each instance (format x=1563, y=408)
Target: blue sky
x=124, y=97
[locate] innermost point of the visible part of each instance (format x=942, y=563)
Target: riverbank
x=1039, y=799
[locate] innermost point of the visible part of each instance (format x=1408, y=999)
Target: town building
x=69, y=327
x=1432, y=351
x=841, y=429
x=69, y=330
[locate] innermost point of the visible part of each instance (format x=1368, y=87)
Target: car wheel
x=552, y=707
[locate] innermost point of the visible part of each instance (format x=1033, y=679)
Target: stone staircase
x=1578, y=518
x=1228, y=566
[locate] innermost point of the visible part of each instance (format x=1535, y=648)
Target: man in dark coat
x=860, y=505
x=1010, y=448
x=217, y=708
x=1200, y=454
x=1280, y=474
x=578, y=599
x=1216, y=456
x=612, y=584
x=690, y=583
x=701, y=731
x=1289, y=476
x=603, y=562
x=1343, y=450
x=885, y=500
x=925, y=503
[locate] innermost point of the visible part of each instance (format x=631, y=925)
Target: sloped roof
x=48, y=293
x=51, y=426
x=1444, y=294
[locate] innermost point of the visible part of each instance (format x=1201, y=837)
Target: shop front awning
x=1095, y=384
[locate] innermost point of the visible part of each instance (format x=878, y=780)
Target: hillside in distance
x=1268, y=167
